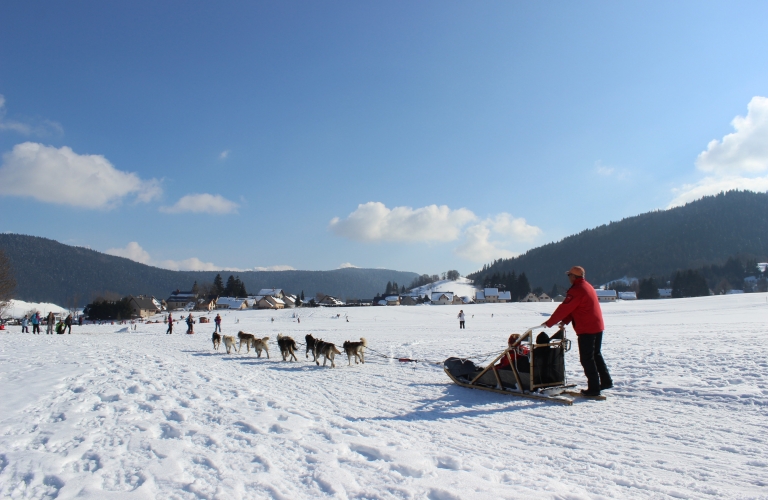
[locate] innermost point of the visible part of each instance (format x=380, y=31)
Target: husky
x=229, y=342
x=261, y=345
x=248, y=338
x=355, y=349
x=216, y=338
x=311, y=341
x=328, y=351
x=287, y=347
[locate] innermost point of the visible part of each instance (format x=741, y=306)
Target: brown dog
x=311, y=341
x=328, y=351
x=248, y=338
x=229, y=342
x=216, y=341
x=287, y=347
x=355, y=349
x=261, y=345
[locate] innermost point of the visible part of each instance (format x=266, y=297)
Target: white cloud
x=477, y=246
x=373, y=221
x=714, y=185
x=603, y=170
x=347, y=265
x=40, y=127
x=482, y=241
x=202, y=203
x=275, y=268
x=507, y=225
x=133, y=251
x=733, y=161
x=62, y=176
x=224, y=154
x=745, y=150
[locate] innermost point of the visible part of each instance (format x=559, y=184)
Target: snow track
x=99, y=414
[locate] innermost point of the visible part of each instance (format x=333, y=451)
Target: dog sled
x=535, y=369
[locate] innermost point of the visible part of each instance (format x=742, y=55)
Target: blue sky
x=419, y=136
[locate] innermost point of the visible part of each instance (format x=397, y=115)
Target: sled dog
x=311, y=341
x=355, y=349
x=287, y=347
x=328, y=351
x=229, y=342
x=248, y=338
x=216, y=338
x=261, y=345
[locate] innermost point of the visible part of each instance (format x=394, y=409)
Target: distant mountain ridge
x=703, y=232
x=49, y=271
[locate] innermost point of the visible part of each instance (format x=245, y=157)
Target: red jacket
x=581, y=308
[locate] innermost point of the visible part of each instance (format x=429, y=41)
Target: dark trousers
x=592, y=361
x=461, y=324
x=170, y=327
x=218, y=328
x=36, y=329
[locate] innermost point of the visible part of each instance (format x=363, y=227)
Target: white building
x=627, y=296
x=531, y=297
x=232, y=303
x=442, y=298
x=505, y=297
x=665, y=293
x=606, y=295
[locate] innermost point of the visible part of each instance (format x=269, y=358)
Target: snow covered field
x=100, y=414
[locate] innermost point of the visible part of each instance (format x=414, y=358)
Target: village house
x=442, y=298
x=393, y=300
x=408, y=300
x=272, y=292
x=559, y=298
x=665, y=293
x=467, y=300
x=627, y=296
x=206, y=304
x=181, y=300
x=491, y=295
x=531, y=297
x=545, y=298
x=270, y=302
x=505, y=297
x=606, y=295
x=330, y=301
x=232, y=303
x=144, y=307
x=289, y=301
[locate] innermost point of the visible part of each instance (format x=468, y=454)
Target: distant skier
x=36, y=320
x=49, y=323
x=68, y=323
x=582, y=308
x=217, y=322
x=169, y=331
x=461, y=319
x=190, y=324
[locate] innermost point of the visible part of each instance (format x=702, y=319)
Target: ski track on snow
x=99, y=414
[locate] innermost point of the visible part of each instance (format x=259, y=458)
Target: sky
x=416, y=136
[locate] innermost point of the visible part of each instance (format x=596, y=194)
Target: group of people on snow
x=61, y=327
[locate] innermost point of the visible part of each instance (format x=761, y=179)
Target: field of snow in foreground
x=104, y=413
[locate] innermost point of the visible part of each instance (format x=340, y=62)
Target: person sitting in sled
x=519, y=356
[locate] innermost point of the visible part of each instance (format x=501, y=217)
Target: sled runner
x=540, y=375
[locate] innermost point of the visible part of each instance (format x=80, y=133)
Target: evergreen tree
x=649, y=289
x=523, y=287
x=218, y=285
x=229, y=290
x=302, y=295
x=195, y=288
x=402, y=289
x=388, y=290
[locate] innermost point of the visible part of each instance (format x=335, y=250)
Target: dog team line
x=288, y=348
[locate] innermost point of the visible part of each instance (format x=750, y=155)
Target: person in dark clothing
x=170, y=324
x=68, y=324
x=582, y=309
x=217, y=322
x=190, y=324
x=36, y=320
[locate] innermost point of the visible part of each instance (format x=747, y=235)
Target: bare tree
x=7, y=282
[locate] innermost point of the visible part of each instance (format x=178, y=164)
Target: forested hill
x=49, y=271
x=703, y=232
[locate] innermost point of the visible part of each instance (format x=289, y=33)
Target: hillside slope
x=703, y=232
x=49, y=271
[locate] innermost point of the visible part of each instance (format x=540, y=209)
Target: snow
x=462, y=287
x=18, y=308
x=140, y=414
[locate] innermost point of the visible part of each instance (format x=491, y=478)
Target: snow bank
x=18, y=308
x=140, y=414
x=462, y=287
